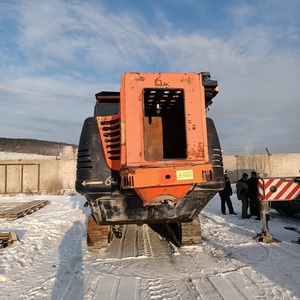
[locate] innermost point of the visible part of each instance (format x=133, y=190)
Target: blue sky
x=55, y=55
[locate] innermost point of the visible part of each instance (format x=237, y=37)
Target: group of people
x=247, y=192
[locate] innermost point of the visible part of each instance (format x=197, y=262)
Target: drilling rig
x=149, y=155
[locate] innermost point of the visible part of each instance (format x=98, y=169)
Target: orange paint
x=163, y=139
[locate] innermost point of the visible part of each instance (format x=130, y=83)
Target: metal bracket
x=265, y=236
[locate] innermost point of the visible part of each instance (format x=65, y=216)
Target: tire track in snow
x=143, y=266
x=117, y=287
x=162, y=275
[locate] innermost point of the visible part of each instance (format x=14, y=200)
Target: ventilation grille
x=128, y=181
x=84, y=160
x=110, y=131
x=217, y=158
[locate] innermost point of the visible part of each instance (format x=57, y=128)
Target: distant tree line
x=32, y=146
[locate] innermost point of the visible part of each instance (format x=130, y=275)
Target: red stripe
x=261, y=191
x=282, y=186
x=293, y=192
x=268, y=182
x=277, y=185
x=284, y=189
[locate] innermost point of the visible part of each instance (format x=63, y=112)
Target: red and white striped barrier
x=279, y=189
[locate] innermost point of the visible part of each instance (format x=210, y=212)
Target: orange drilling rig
x=149, y=155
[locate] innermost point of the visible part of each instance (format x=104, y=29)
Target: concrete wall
x=52, y=174
x=274, y=165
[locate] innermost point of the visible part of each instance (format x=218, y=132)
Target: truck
x=149, y=155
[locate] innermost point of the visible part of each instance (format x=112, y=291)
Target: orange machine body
x=163, y=135
x=149, y=154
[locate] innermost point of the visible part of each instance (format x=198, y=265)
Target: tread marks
x=162, y=289
x=117, y=287
x=206, y=290
x=242, y=282
x=226, y=290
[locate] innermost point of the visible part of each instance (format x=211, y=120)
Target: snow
x=22, y=156
x=51, y=261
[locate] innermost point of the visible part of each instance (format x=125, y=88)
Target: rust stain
x=127, y=171
x=201, y=150
x=188, y=80
x=140, y=78
x=198, y=152
x=137, y=78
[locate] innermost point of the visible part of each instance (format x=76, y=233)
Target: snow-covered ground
x=51, y=260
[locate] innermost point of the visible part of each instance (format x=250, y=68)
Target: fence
x=53, y=173
x=36, y=176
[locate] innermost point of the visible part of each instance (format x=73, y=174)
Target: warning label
x=185, y=175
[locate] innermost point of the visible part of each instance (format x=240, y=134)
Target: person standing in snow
x=253, y=195
x=225, y=196
x=242, y=194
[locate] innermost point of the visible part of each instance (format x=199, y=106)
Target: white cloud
x=68, y=51
x=56, y=32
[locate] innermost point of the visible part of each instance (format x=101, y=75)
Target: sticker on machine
x=184, y=175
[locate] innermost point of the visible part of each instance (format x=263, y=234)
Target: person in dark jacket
x=252, y=183
x=253, y=194
x=225, y=196
x=242, y=194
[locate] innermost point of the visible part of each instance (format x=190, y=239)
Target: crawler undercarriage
x=100, y=236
